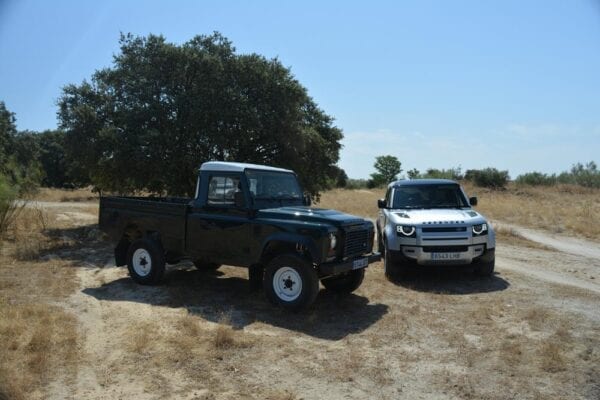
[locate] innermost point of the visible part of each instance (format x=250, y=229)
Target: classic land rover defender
x=243, y=215
x=431, y=222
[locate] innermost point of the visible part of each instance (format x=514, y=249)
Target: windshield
x=429, y=196
x=266, y=185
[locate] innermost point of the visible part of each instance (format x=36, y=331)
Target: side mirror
x=306, y=200
x=238, y=198
x=473, y=201
x=381, y=203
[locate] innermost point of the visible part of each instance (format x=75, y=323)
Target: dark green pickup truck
x=249, y=216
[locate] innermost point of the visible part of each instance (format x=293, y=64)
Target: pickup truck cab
x=431, y=222
x=243, y=215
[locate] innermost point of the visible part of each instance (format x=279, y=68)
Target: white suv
x=431, y=222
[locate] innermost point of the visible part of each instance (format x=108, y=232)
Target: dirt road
x=531, y=331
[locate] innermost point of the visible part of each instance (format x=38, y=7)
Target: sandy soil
x=531, y=331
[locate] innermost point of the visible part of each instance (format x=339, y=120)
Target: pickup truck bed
x=166, y=215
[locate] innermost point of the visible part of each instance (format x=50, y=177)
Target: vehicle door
x=219, y=231
x=382, y=216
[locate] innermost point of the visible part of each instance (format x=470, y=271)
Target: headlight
x=480, y=229
x=406, y=230
x=332, y=241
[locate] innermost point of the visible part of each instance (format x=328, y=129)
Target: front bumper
x=444, y=255
x=336, y=268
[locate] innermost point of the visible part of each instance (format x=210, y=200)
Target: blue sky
x=509, y=84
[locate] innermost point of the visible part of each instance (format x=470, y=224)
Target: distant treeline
x=586, y=175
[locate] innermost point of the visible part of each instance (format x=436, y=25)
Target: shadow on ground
x=451, y=280
x=210, y=295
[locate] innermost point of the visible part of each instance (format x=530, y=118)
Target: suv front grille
x=446, y=229
x=356, y=242
x=445, y=249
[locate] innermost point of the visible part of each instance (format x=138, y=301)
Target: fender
x=293, y=241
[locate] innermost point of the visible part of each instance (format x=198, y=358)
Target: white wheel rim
x=287, y=284
x=142, y=262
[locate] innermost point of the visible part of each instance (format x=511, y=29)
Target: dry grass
x=566, y=209
x=39, y=339
x=65, y=195
x=560, y=209
x=510, y=236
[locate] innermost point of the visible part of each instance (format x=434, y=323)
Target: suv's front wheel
x=291, y=282
x=394, y=269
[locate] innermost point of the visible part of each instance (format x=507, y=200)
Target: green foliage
x=388, y=167
x=586, y=175
x=357, y=184
x=162, y=109
x=413, y=174
x=536, y=179
x=7, y=131
x=9, y=208
x=488, y=177
x=450, y=173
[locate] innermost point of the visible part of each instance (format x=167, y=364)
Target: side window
x=388, y=197
x=221, y=190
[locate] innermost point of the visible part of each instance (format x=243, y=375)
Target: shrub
x=488, y=177
x=9, y=208
x=356, y=184
x=450, y=173
x=536, y=179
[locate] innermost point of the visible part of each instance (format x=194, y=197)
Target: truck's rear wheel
x=206, y=266
x=291, y=282
x=146, y=261
x=346, y=283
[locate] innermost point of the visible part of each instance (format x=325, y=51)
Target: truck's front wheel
x=291, y=281
x=345, y=284
x=146, y=261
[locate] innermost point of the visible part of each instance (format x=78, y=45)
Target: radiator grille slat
x=356, y=242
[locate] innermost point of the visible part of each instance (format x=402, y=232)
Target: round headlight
x=332, y=241
x=479, y=229
x=406, y=230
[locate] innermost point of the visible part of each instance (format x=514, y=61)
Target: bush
x=536, y=179
x=488, y=177
x=356, y=184
x=450, y=173
x=9, y=208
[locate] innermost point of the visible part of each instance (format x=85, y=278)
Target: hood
x=437, y=216
x=310, y=214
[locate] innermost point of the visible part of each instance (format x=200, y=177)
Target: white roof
x=236, y=167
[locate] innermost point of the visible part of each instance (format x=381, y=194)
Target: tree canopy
x=161, y=109
x=388, y=168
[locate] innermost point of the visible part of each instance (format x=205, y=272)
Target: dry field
x=73, y=326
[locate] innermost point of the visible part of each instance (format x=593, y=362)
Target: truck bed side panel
x=165, y=216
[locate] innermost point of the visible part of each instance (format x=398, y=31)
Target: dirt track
x=531, y=331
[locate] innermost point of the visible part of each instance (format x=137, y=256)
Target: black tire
x=206, y=266
x=485, y=268
x=394, y=270
x=345, y=284
x=290, y=281
x=379, y=243
x=146, y=261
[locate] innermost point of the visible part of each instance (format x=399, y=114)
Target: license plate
x=445, y=256
x=360, y=263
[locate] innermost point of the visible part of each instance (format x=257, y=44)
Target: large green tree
x=161, y=109
x=388, y=168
